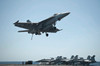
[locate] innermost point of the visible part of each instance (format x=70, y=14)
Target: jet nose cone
x=67, y=13
x=62, y=15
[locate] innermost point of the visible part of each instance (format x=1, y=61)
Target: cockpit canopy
x=28, y=21
x=55, y=14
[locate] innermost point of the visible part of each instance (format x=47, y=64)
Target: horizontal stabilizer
x=23, y=31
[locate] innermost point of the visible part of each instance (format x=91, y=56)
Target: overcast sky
x=80, y=34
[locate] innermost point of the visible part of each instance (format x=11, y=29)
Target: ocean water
x=16, y=62
x=19, y=62
x=10, y=62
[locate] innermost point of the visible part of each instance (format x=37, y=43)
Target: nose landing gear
x=32, y=36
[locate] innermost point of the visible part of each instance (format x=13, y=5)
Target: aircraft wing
x=46, y=20
x=25, y=25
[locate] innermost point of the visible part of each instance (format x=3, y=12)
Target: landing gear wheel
x=36, y=33
x=47, y=35
x=54, y=27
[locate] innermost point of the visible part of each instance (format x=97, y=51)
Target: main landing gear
x=47, y=35
x=32, y=37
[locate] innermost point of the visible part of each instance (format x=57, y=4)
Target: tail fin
x=93, y=58
x=72, y=57
x=76, y=58
x=89, y=57
x=23, y=31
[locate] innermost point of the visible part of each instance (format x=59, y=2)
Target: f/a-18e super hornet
x=73, y=61
x=46, y=26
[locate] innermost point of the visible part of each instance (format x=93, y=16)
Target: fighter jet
x=46, y=26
